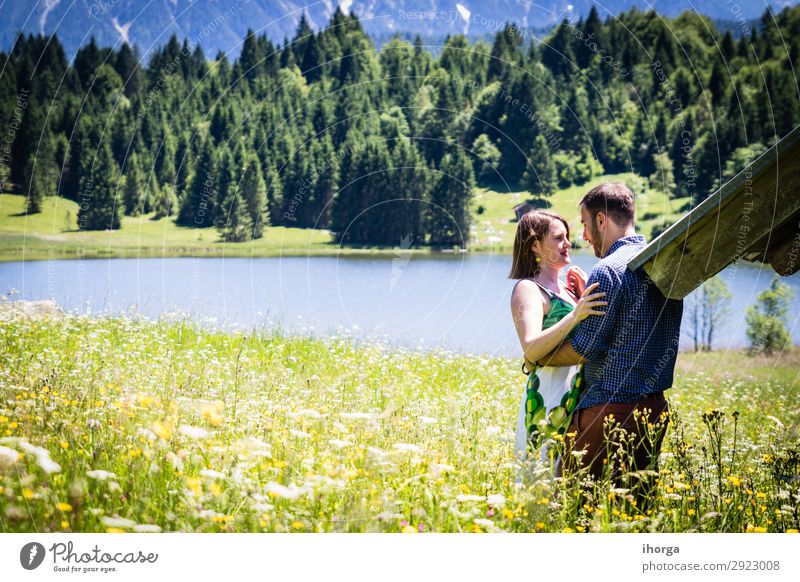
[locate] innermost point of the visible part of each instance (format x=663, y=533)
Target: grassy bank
x=118, y=425
x=52, y=234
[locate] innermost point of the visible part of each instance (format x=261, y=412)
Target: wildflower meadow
x=127, y=425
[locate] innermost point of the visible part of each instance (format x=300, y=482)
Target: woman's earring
x=538, y=260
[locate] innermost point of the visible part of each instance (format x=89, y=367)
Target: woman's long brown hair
x=532, y=226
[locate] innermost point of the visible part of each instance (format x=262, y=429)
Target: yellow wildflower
x=162, y=431
x=64, y=507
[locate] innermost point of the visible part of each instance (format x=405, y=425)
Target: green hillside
x=53, y=232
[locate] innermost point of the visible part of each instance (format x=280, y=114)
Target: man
x=629, y=354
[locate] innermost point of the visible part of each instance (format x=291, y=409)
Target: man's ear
x=600, y=219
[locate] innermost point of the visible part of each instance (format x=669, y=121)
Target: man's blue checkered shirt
x=631, y=350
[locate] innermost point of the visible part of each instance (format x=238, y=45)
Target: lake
x=458, y=302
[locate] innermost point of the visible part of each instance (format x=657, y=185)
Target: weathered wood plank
x=747, y=216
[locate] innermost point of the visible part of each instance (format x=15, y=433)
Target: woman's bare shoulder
x=526, y=290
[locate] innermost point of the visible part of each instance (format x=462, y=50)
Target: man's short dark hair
x=613, y=198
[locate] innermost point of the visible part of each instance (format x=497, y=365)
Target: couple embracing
x=599, y=350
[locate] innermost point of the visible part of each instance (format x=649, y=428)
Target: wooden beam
x=746, y=213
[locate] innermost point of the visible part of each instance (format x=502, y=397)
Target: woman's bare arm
x=527, y=309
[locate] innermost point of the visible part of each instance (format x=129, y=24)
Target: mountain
x=222, y=24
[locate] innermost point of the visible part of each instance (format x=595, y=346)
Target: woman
x=545, y=311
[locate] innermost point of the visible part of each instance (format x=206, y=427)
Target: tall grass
x=125, y=425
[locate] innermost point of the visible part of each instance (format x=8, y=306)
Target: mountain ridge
x=221, y=26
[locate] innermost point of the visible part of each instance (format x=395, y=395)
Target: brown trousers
x=642, y=441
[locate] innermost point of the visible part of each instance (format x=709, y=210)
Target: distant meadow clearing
x=118, y=425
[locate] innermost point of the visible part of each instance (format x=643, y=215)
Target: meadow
x=53, y=234
x=126, y=425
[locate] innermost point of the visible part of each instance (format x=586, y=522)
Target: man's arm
x=593, y=335
x=564, y=355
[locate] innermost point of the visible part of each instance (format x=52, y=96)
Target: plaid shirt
x=631, y=350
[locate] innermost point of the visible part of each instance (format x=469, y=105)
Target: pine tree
x=251, y=60
x=254, y=192
x=557, y=52
x=41, y=173
x=449, y=216
x=275, y=202
x=540, y=177
x=197, y=210
x=166, y=204
x=232, y=217
x=100, y=204
x=134, y=193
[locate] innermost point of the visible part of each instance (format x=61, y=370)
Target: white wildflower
x=193, y=432
x=147, y=528
x=376, y=453
x=8, y=457
x=407, y=448
x=428, y=420
x=100, y=474
x=175, y=460
x=47, y=464
x=291, y=492
x=496, y=500
x=339, y=443
x=301, y=434
x=147, y=434
x=439, y=468
x=309, y=413
x=357, y=415
x=493, y=430
x=212, y=474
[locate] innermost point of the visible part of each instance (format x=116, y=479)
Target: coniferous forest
x=383, y=145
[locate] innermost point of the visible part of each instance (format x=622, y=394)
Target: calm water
x=459, y=303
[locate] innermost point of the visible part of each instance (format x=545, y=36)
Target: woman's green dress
x=540, y=423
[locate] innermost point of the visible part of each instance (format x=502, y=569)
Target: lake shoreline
x=9, y=255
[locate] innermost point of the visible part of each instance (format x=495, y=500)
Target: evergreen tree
x=197, y=210
x=41, y=173
x=275, y=201
x=166, y=203
x=254, y=192
x=232, y=218
x=135, y=188
x=449, y=216
x=487, y=159
x=540, y=177
x=100, y=204
x=557, y=53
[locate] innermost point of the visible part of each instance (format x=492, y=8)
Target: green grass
x=53, y=232
x=168, y=427
x=496, y=224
